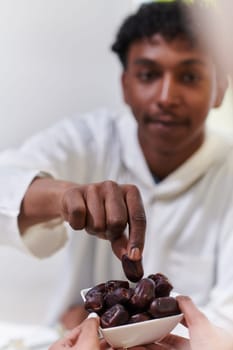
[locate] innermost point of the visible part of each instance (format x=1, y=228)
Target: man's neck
x=163, y=164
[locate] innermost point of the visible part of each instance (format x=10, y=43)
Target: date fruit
x=95, y=302
x=115, y=316
x=114, y=284
x=118, y=296
x=162, y=285
x=164, y=306
x=132, y=269
x=117, y=303
x=144, y=316
x=143, y=295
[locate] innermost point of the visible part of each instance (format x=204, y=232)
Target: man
x=78, y=172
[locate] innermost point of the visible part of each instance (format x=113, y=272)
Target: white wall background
x=54, y=61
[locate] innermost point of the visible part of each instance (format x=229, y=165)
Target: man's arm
x=103, y=209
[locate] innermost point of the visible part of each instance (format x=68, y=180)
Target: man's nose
x=169, y=92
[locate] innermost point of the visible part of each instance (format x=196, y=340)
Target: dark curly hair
x=169, y=19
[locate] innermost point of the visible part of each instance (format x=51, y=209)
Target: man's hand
x=103, y=209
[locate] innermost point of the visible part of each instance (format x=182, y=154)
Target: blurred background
x=55, y=61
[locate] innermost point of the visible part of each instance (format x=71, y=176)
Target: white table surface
x=26, y=337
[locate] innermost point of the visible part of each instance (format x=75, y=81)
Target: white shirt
x=189, y=233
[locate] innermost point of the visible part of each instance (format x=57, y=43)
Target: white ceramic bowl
x=138, y=333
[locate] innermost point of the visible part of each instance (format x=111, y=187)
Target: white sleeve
x=42, y=155
x=40, y=240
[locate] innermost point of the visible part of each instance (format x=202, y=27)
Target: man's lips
x=166, y=120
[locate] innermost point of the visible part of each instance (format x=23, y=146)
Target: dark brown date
x=111, y=285
x=94, y=302
x=132, y=269
x=99, y=288
x=144, y=316
x=162, y=307
x=143, y=295
x=118, y=296
x=162, y=285
x=115, y=316
x=117, y=303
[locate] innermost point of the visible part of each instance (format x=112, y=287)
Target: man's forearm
x=42, y=202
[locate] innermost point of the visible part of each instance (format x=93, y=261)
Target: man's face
x=170, y=88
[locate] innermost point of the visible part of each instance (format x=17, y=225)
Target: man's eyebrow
x=193, y=61
x=145, y=62
x=187, y=62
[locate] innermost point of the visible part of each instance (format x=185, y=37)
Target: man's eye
x=190, y=78
x=147, y=76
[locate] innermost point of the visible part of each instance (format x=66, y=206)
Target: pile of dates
x=117, y=303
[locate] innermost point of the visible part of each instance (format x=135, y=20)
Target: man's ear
x=124, y=85
x=222, y=86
